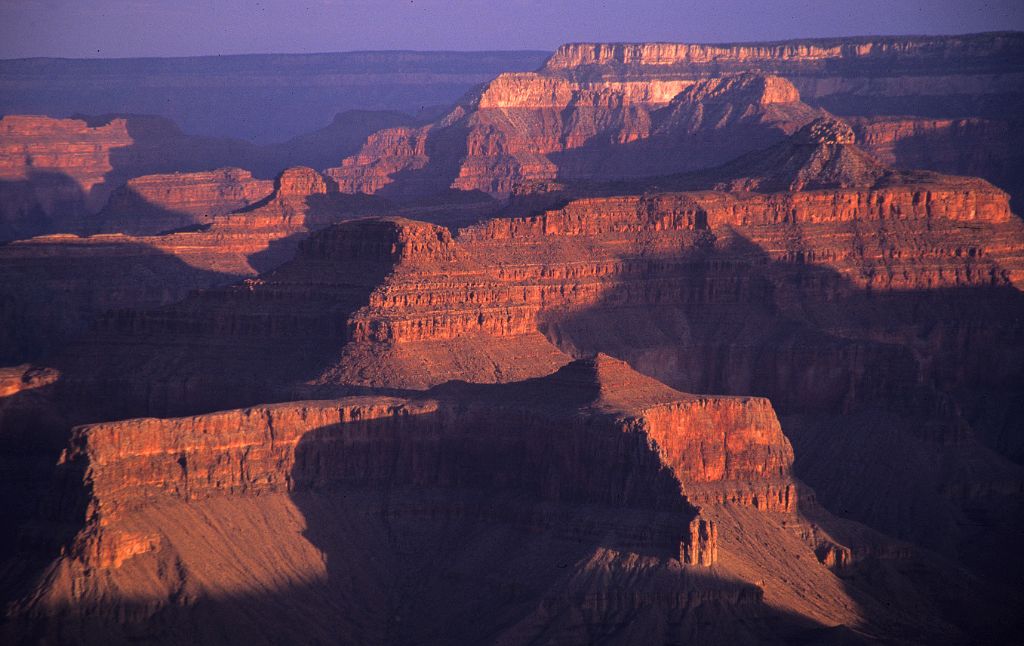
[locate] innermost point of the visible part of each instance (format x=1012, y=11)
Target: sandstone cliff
x=153, y=204
x=877, y=309
x=144, y=173
x=523, y=492
x=860, y=75
x=528, y=131
x=877, y=295
x=604, y=111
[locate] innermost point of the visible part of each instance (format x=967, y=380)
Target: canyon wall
x=975, y=74
x=598, y=111
x=526, y=132
x=589, y=465
x=152, y=204
x=539, y=485
x=144, y=174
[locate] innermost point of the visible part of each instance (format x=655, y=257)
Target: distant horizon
x=523, y=51
x=132, y=29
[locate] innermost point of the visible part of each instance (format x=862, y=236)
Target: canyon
x=143, y=175
x=428, y=380
x=577, y=488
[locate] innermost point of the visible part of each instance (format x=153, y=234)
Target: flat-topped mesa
x=536, y=91
x=722, y=449
x=54, y=168
x=59, y=171
x=812, y=52
x=297, y=204
x=559, y=439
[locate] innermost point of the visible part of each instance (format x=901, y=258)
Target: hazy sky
x=112, y=28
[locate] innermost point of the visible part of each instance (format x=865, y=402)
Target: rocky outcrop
x=50, y=168
x=986, y=148
x=257, y=451
x=153, y=204
x=528, y=131
x=595, y=434
x=57, y=173
x=877, y=309
x=52, y=288
x=948, y=76
x=144, y=173
x=421, y=306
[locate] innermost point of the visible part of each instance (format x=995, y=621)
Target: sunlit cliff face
x=438, y=392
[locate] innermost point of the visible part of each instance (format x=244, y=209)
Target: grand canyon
x=652, y=343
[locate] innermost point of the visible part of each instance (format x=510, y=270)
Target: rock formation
x=855, y=291
x=588, y=472
x=530, y=131
x=153, y=204
x=56, y=174
x=868, y=75
x=602, y=111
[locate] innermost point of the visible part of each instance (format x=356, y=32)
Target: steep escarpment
x=56, y=172
x=591, y=479
x=560, y=494
x=530, y=131
x=145, y=174
x=814, y=54
x=53, y=287
x=258, y=336
x=475, y=307
x=987, y=148
x=974, y=74
x=152, y=204
x=878, y=294
x=609, y=111
x=50, y=167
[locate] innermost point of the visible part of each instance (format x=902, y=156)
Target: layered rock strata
x=526, y=132
x=54, y=173
x=153, y=204
x=609, y=110
x=595, y=464
x=144, y=173
x=53, y=287
x=950, y=76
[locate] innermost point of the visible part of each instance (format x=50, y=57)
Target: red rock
x=152, y=204
x=529, y=131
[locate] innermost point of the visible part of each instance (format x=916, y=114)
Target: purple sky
x=113, y=28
